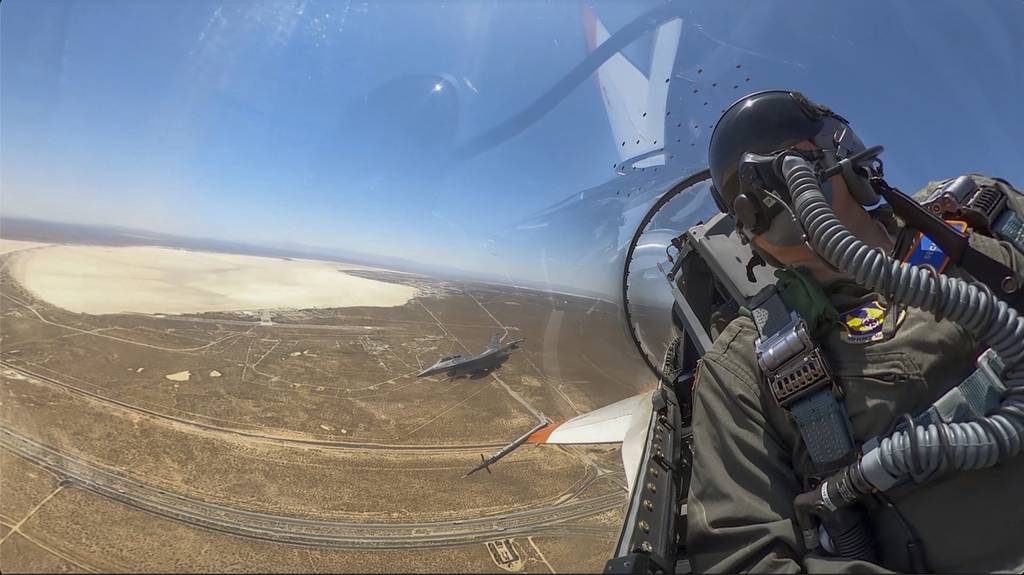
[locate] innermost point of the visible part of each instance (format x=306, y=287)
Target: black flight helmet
x=767, y=123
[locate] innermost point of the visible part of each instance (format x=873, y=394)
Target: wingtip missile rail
x=486, y=462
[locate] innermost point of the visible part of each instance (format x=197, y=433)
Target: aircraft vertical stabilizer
x=635, y=103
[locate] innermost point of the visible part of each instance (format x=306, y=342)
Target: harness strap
x=975, y=397
x=825, y=428
x=955, y=244
x=798, y=377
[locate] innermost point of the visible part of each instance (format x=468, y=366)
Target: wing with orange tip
x=624, y=422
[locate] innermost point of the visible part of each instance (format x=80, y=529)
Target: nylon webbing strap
x=771, y=314
x=824, y=426
x=975, y=397
x=799, y=380
x=985, y=269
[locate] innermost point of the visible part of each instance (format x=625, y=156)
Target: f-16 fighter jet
x=474, y=365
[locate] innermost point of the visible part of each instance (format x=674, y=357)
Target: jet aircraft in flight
x=474, y=365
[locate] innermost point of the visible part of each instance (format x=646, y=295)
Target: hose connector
x=832, y=505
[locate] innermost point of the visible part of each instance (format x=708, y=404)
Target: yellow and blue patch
x=864, y=324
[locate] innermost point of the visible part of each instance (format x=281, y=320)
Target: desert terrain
x=164, y=280
x=173, y=410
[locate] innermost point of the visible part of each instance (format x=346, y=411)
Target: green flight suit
x=750, y=462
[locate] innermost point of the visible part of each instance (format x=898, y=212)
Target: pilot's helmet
x=767, y=123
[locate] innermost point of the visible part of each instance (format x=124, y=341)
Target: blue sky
x=332, y=123
x=283, y=121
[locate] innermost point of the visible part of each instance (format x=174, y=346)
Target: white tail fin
x=635, y=103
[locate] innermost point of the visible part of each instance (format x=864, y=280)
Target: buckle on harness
x=963, y=199
x=793, y=366
x=796, y=373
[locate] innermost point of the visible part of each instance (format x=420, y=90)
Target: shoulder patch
x=864, y=324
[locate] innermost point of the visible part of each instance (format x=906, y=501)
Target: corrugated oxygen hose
x=919, y=451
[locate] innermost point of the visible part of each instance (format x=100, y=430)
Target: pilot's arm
x=741, y=494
